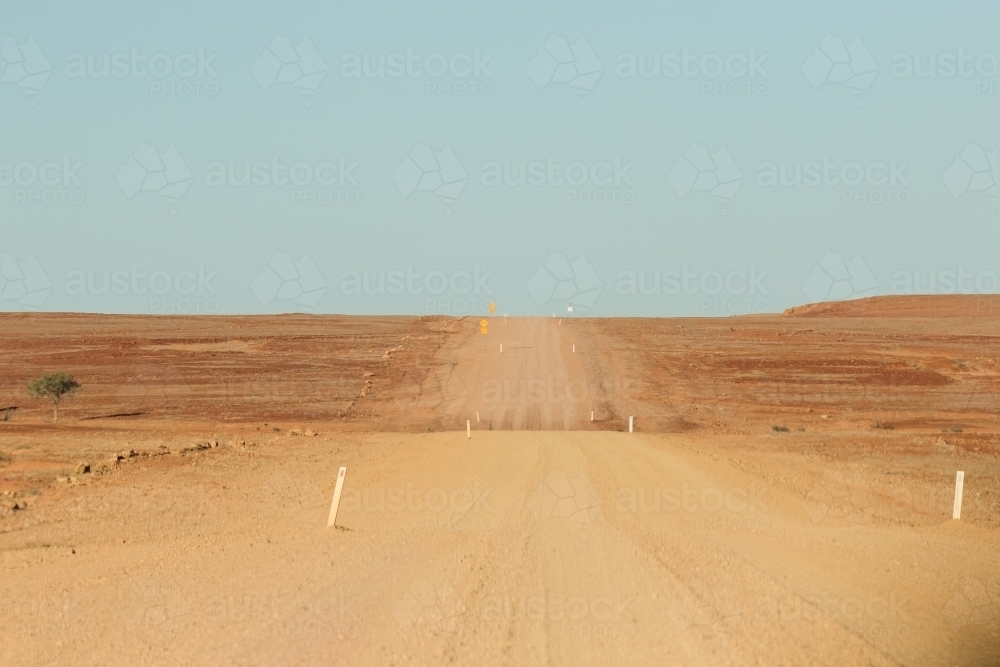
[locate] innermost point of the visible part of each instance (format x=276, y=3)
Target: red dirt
x=921, y=305
x=199, y=535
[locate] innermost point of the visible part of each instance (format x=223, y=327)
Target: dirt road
x=708, y=537
x=514, y=548
x=523, y=374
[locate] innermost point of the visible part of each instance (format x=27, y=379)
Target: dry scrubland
x=707, y=537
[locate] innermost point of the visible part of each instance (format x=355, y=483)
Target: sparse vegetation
x=53, y=388
x=780, y=429
x=887, y=426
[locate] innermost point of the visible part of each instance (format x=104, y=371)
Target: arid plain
x=785, y=497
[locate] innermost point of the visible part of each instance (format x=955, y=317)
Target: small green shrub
x=53, y=387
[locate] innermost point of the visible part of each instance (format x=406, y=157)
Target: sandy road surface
x=719, y=542
x=514, y=548
x=521, y=375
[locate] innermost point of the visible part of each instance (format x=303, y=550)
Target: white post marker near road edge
x=630, y=424
x=959, y=483
x=332, y=521
x=468, y=428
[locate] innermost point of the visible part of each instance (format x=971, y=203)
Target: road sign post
x=959, y=483
x=335, y=505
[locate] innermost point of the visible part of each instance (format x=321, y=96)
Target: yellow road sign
x=493, y=308
x=483, y=326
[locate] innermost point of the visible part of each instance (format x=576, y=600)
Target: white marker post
x=501, y=346
x=591, y=415
x=468, y=428
x=560, y=320
x=959, y=483
x=630, y=424
x=574, y=349
x=477, y=416
x=332, y=521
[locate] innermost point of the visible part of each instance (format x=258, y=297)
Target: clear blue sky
x=384, y=141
